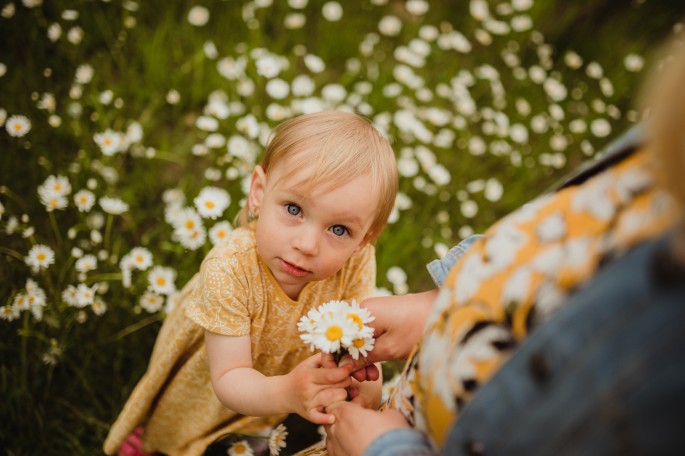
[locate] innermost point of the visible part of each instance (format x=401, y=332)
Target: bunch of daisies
x=338, y=327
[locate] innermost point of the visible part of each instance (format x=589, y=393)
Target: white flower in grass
x=40, y=257
x=188, y=229
x=198, y=16
x=139, y=258
x=277, y=88
x=9, y=313
x=84, y=73
x=277, y=439
x=219, y=232
x=240, y=448
x=70, y=295
x=17, y=125
x=314, y=63
x=161, y=280
x=134, y=133
x=269, y=65
x=212, y=202
x=99, y=306
x=21, y=302
x=303, y=85
x=84, y=200
x=332, y=11
x=86, y=263
x=417, y=7
x=84, y=295
x=109, y=141
x=51, y=200
x=113, y=206
x=207, y=123
x=151, y=302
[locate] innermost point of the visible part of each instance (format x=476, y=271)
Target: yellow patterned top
x=514, y=278
x=233, y=294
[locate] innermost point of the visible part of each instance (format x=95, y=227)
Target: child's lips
x=293, y=270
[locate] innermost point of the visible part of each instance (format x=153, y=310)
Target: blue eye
x=293, y=209
x=339, y=230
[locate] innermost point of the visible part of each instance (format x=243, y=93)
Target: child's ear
x=257, y=185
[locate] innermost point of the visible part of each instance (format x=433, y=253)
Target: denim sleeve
x=438, y=269
x=400, y=442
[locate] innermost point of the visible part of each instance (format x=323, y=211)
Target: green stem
x=132, y=328
x=24, y=351
x=111, y=276
x=108, y=230
x=13, y=196
x=53, y=222
x=12, y=253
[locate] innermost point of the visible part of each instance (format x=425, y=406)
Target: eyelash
x=289, y=206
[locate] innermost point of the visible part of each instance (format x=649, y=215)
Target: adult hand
x=398, y=325
x=355, y=427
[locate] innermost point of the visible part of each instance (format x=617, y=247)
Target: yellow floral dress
x=514, y=278
x=233, y=294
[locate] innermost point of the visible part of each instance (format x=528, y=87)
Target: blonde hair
x=339, y=146
x=664, y=102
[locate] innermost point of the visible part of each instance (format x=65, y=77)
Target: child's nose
x=307, y=241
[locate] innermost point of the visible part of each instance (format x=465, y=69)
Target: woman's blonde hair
x=339, y=146
x=663, y=100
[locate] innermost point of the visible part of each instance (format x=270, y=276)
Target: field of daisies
x=129, y=129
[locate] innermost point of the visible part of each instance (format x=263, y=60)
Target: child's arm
x=306, y=390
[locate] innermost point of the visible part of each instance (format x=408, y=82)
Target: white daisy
x=84, y=200
x=333, y=332
x=277, y=439
x=188, y=229
x=84, y=295
x=161, y=280
x=240, y=448
x=113, y=206
x=109, y=141
x=219, y=232
x=86, y=263
x=198, y=16
x=99, y=306
x=151, y=302
x=9, y=313
x=51, y=200
x=58, y=185
x=70, y=295
x=21, y=302
x=140, y=258
x=360, y=346
x=40, y=257
x=17, y=125
x=212, y=202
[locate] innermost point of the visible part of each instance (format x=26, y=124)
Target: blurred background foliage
x=487, y=103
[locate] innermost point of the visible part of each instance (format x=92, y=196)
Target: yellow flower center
x=161, y=281
x=189, y=224
x=358, y=343
x=357, y=319
x=40, y=257
x=334, y=333
x=240, y=448
x=209, y=204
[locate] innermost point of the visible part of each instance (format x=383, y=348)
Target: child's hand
x=314, y=384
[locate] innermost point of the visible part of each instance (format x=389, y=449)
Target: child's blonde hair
x=664, y=102
x=339, y=146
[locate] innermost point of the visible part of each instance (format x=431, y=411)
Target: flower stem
x=53, y=222
x=12, y=253
x=108, y=231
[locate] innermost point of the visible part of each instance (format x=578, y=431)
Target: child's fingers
x=327, y=360
x=318, y=417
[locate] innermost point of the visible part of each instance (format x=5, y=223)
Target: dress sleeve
x=219, y=302
x=362, y=275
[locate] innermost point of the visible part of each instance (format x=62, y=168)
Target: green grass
x=141, y=51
